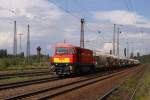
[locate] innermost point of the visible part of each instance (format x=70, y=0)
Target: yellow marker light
x=61, y=60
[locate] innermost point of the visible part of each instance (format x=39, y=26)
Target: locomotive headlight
x=71, y=68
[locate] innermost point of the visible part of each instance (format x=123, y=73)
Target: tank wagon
x=69, y=59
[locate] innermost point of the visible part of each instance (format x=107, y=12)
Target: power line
x=70, y=13
x=127, y=5
x=67, y=11
x=86, y=12
x=130, y=8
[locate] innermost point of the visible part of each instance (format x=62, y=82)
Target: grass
x=143, y=92
x=19, y=64
x=145, y=59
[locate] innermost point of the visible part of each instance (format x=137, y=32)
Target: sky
x=53, y=21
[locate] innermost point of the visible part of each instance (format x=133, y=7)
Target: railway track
x=49, y=92
x=25, y=83
x=23, y=74
x=29, y=82
x=107, y=94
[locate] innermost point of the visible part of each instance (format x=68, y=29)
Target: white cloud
x=48, y=23
x=6, y=40
x=122, y=17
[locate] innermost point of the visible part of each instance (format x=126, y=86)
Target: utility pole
x=114, y=39
x=20, y=42
x=15, y=40
x=82, y=33
x=28, y=43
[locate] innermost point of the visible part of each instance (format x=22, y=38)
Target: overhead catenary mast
x=20, y=41
x=28, y=43
x=82, y=33
x=118, y=33
x=127, y=50
x=114, y=40
x=15, y=40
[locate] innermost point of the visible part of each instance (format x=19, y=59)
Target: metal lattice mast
x=15, y=40
x=28, y=43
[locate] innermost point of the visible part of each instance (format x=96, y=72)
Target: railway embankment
x=135, y=88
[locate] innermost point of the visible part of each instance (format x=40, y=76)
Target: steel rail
x=83, y=82
x=25, y=83
x=25, y=74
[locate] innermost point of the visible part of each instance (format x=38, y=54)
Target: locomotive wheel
x=92, y=69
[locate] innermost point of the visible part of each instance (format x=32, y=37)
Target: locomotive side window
x=78, y=54
x=71, y=51
x=61, y=50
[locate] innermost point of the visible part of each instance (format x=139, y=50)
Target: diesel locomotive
x=69, y=59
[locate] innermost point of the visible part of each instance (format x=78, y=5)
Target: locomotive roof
x=64, y=45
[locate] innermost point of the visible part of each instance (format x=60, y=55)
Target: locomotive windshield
x=61, y=50
x=65, y=51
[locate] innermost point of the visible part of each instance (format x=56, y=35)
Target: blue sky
x=140, y=6
x=50, y=24
x=85, y=9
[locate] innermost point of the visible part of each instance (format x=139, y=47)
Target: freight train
x=69, y=59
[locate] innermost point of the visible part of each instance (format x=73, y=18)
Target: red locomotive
x=69, y=59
